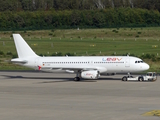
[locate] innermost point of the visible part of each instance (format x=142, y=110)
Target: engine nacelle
x=90, y=74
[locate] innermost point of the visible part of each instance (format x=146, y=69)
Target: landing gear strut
x=78, y=76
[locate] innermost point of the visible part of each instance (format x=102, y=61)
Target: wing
x=73, y=68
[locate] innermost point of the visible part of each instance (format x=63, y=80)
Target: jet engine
x=90, y=74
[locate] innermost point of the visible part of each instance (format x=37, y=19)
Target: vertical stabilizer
x=22, y=47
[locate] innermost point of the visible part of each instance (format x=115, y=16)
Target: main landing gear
x=78, y=76
x=77, y=79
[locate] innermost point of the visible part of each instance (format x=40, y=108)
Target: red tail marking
x=39, y=67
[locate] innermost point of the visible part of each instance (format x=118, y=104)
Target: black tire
x=76, y=79
x=140, y=79
x=124, y=78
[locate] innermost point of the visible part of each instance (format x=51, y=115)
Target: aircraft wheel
x=76, y=79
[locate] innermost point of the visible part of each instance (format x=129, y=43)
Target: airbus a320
x=88, y=67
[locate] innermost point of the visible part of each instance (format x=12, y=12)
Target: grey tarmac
x=55, y=96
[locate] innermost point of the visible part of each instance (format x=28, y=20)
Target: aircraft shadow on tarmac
x=58, y=79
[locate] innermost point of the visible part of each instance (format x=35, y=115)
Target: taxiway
x=55, y=96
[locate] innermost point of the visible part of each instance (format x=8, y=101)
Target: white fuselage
x=104, y=64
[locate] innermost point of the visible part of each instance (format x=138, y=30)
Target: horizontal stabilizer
x=17, y=60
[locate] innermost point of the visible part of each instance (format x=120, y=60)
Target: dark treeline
x=113, y=17
x=50, y=14
x=34, y=5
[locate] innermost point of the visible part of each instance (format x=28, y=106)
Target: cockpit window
x=139, y=62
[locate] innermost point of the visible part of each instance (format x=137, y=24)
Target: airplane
x=85, y=67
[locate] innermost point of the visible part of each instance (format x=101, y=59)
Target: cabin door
x=127, y=62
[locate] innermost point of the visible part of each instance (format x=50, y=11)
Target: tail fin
x=22, y=47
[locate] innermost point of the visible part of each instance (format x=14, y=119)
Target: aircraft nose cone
x=146, y=67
